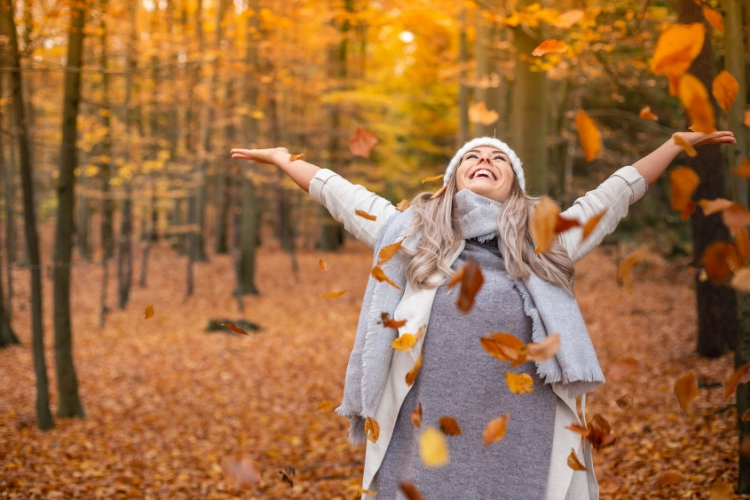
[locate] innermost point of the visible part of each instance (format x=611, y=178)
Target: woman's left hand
x=700, y=139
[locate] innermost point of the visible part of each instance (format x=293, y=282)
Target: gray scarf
x=551, y=309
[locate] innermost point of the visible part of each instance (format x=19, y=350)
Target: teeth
x=484, y=173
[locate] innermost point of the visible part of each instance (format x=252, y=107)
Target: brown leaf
x=362, y=142
x=365, y=215
x=714, y=206
x=287, y=475
x=478, y=113
x=325, y=406
x=471, y=282
x=716, y=261
x=379, y=275
x=449, y=426
x=684, y=182
x=736, y=215
x=412, y=375
x=416, y=416
x=713, y=17
x=591, y=138
x=544, y=349
x=438, y=193
x=296, y=157
x=669, y=477
x=741, y=245
x=495, y=430
x=519, y=383
x=694, y=98
x=433, y=178
x=722, y=491
x=387, y=252
x=402, y=205
x=741, y=280
x=646, y=114
x=149, y=311
x=322, y=265
x=686, y=389
x=582, y=431
x=625, y=402
x=331, y=295
x=564, y=224
x=573, y=461
x=235, y=328
x=745, y=416
x=457, y=276
x=410, y=491
x=736, y=379
x=404, y=342
x=689, y=149
x=372, y=429
x=433, y=448
x=503, y=346
x=600, y=435
x=725, y=88
x=550, y=47
x=591, y=224
x=391, y=323
x=543, y=224
x=241, y=471
x=676, y=49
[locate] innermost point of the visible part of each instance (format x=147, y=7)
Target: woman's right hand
x=274, y=156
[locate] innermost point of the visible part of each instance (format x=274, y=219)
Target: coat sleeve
x=615, y=195
x=343, y=199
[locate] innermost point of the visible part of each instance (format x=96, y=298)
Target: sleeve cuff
x=318, y=181
x=635, y=180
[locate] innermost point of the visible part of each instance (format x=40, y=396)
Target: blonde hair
x=436, y=226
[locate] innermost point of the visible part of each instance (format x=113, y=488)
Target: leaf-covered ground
x=165, y=401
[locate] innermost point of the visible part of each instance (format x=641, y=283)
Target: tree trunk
x=7, y=336
x=81, y=227
x=717, y=305
x=485, y=87
x=463, y=90
x=248, y=241
x=108, y=206
x=8, y=29
x=67, y=383
x=8, y=175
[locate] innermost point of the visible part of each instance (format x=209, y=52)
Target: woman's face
x=486, y=170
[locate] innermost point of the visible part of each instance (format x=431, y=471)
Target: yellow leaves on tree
x=675, y=51
x=379, y=275
x=686, y=389
x=449, y=426
x=433, y=449
x=404, y=342
x=478, y=113
x=684, y=181
x=471, y=279
x=372, y=429
x=591, y=138
x=519, y=383
x=573, y=461
x=365, y=215
x=646, y=114
x=694, y=98
x=149, y=312
x=495, y=430
x=550, y=47
x=241, y=471
x=725, y=89
x=362, y=142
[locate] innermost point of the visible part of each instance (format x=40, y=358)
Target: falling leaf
x=544, y=349
x=495, y=430
x=669, y=477
x=573, y=461
x=741, y=280
x=379, y=275
x=686, y=389
x=591, y=224
x=543, y=223
x=433, y=448
x=714, y=206
x=725, y=88
x=591, y=138
x=296, y=157
x=746, y=118
x=684, y=182
x=332, y=295
x=149, y=311
x=646, y=114
x=387, y=252
x=622, y=368
x=601, y=434
x=325, y=406
x=716, y=261
x=322, y=265
x=365, y=215
x=402, y=205
x=519, y=383
x=389, y=322
x=235, y=329
x=416, y=416
x=287, y=475
x=689, y=149
x=433, y=178
x=449, y=426
x=735, y=215
x=410, y=491
x=362, y=142
x=367, y=492
x=241, y=471
x=564, y=224
x=438, y=193
x=404, y=342
x=625, y=402
x=568, y=18
x=740, y=376
x=694, y=98
x=478, y=113
x=713, y=17
x=550, y=47
x=471, y=282
x=412, y=375
x=675, y=51
x=722, y=491
x=372, y=429
x=582, y=431
x=744, y=169
x=741, y=246
x=503, y=346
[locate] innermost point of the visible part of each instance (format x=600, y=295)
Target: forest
x=176, y=324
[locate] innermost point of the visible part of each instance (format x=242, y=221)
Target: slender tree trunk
x=108, y=206
x=82, y=226
x=485, y=79
x=463, y=89
x=67, y=383
x=8, y=29
x=8, y=173
x=7, y=336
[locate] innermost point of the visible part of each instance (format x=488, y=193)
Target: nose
x=485, y=157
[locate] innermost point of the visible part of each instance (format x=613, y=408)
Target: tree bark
x=463, y=90
x=8, y=173
x=67, y=383
x=8, y=28
x=108, y=206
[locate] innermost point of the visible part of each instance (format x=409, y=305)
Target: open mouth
x=483, y=173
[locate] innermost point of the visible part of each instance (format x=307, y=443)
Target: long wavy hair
x=439, y=237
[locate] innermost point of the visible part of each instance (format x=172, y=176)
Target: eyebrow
x=477, y=151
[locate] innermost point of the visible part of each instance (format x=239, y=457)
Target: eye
x=470, y=156
x=500, y=157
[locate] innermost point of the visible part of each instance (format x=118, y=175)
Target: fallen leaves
x=410, y=491
x=507, y=347
x=713, y=17
x=711, y=207
x=686, y=389
x=296, y=157
x=722, y=491
x=322, y=266
x=471, y=279
x=149, y=312
x=388, y=252
x=362, y=142
x=694, y=98
x=433, y=178
x=684, y=182
x=495, y=430
x=402, y=205
x=689, y=149
x=717, y=261
x=591, y=138
x=438, y=193
x=478, y=113
x=389, y=322
x=669, y=477
x=591, y=224
x=600, y=434
x=433, y=448
x=372, y=429
x=543, y=224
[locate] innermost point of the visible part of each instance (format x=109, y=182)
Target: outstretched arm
x=299, y=171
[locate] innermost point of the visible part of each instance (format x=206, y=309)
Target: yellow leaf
x=503, y=346
x=722, y=491
x=694, y=98
x=372, y=429
x=471, y=281
x=646, y=114
x=365, y=215
x=686, y=389
x=404, y=342
x=433, y=448
x=402, y=205
x=519, y=383
x=332, y=295
x=714, y=18
x=258, y=115
x=573, y=461
x=676, y=49
x=591, y=224
x=433, y=178
x=714, y=206
x=379, y=275
x=735, y=216
x=495, y=430
x=550, y=47
x=149, y=311
x=322, y=265
x=684, y=182
x=478, y=113
x=439, y=192
x=591, y=139
x=387, y=252
x=412, y=375
x=716, y=261
x=296, y=157
x=543, y=223
x=725, y=89
x=689, y=149
x=416, y=416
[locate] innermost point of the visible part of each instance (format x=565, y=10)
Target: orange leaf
x=404, y=342
x=543, y=224
x=332, y=295
x=410, y=491
x=689, y=149
x=582, y=431
x=387, y=252
x=564, y=224
x=471, y=282
x=365, y=215
x=740, y=376
x=625, y=402
x=600, y=433
x=149, y=311
x=741, y=245
x=684, y=182
x=478, y=113
x=746, y=119
x=503, y=346
x=725, y=89
x=722, y=491
x=379, y=275
x=433, y=178
x=362, y=142
x=676, y=49
x=519, y=383
x=433, y=448
x=669, y=477
x=322, y=265
x=438, y=193
x=694, y=98
x=741, y=280
x=372, y=429
x=568, y=18
x=591, y=139
x=235, y=328
x=591, y=224
x=744, y=169
x=449, y=426
x=325, y=406
x=402, y=205
x=416, y=416
x=550, y=47
x=686, y=389
x=457, y=276
x=544, y=349
x=735, y=216
x=745, y=416
x=623, y=368
x=495, y=430
x=296, y=157
x=412, y=375
x=716, y=261
x=714, y=206
x=391, y=323
x=573, y=461
x=714, y=18
x=241, y=471
x=646, y=114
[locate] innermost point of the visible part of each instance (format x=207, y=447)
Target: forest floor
x=166, y=401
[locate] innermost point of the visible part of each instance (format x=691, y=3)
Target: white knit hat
x=515, y=162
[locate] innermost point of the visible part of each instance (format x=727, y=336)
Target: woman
x=483, y=214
